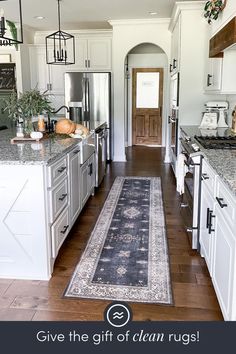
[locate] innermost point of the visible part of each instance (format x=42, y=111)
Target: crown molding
x=184, y=6
x=83, y=32
x=141, y=21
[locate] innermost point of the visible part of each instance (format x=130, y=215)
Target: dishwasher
x=100, y=154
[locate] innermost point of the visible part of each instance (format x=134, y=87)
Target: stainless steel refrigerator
x=90, y=95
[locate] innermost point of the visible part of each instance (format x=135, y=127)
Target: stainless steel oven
x=190, y=199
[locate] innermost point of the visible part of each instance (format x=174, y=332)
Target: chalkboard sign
x=7, y=76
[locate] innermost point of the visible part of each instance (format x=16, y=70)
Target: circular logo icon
x=118, y=314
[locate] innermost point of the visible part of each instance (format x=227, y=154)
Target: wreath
x=213, y=8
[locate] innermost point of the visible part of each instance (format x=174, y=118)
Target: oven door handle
x=189, y=165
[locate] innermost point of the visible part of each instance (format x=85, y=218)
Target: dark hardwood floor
x=194, y=296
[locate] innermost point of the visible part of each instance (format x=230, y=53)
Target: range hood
x=224, y=39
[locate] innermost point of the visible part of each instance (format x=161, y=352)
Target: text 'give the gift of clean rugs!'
x=126, y=258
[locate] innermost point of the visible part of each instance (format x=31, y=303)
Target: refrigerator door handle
x=88, y=100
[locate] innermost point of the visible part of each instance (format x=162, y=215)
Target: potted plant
x=29, y=104
x=213, y=8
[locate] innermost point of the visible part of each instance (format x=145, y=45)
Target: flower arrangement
x=28, y=104
x=213, y=8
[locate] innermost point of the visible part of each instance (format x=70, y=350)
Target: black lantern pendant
x=11, y=29
x=60, y=46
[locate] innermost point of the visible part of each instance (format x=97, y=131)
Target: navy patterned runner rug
x=126, y=258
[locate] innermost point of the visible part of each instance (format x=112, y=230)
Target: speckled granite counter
x=33, y=153
x=222, y=161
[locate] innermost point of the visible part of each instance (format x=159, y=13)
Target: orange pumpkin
x=65, y=126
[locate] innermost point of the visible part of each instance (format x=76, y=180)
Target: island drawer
x=60, y=230
x=58, y=199
x=57, y=171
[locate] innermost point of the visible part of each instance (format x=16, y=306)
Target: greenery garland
x=213, y=8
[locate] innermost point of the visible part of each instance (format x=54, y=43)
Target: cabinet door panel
x=74, y=177
x=223, y=266
x=80, y=55
x=206, y=238
x=39, y=70
x=99, y=54
x=84, y=183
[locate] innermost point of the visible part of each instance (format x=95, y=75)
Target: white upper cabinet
x=213, y=77
x=92, y=54
x=39, y=70
x=175, y=48
x=99, y=54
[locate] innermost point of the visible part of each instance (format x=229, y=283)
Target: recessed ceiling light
x=152, y=13
x=39, y=17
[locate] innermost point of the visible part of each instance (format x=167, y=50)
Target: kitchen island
x=41, y=188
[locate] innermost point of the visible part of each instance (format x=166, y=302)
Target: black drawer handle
x=174, y=64
x=205, y=176
x=171, y=68
x=63, y=197
x=90, y=172
x=209, y=80
x=211, y=216
x=65, y=229
x=61, y=169
x=76, y=152
x=220, y=200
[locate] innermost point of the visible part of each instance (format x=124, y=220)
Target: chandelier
x=60, y=46
x=11, y=29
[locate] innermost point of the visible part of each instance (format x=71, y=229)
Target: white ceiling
x=84, y=14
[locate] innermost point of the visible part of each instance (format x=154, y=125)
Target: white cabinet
x=87, y=179
x=39, y=70
x=218, y=239
x=59, y=232
x=221, y=73
x=45, y=76
x=206, y=229
x=92, y=54
x=74, y=184
x=223, y=268
x=213, y=77
x=175, y=48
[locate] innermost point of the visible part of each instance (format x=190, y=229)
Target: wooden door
x=147, y=101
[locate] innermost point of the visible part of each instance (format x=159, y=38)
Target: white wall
x=127, y=35
x=148, y=60
x=226, y=15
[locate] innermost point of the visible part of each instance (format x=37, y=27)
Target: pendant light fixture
x=60, y=46
x=11, y=29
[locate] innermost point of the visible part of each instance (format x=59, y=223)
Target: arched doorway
x=148, y=127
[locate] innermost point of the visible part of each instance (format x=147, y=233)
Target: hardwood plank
x=66, y=316
x=9, y=314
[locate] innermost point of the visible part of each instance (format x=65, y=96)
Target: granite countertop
x=222, y=161
x=33, y=153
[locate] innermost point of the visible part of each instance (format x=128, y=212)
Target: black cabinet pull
x=61, y=169
x=220, y=200
x=90, y=169
x=204, y=177
x=65, y=229
x=207, y=221
x=209, y=76
x=63, y=197
x=171, y=68
x=174, y=63
x=211, y=216
x=76, y=152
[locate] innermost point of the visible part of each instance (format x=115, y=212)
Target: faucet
x=67, y=109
